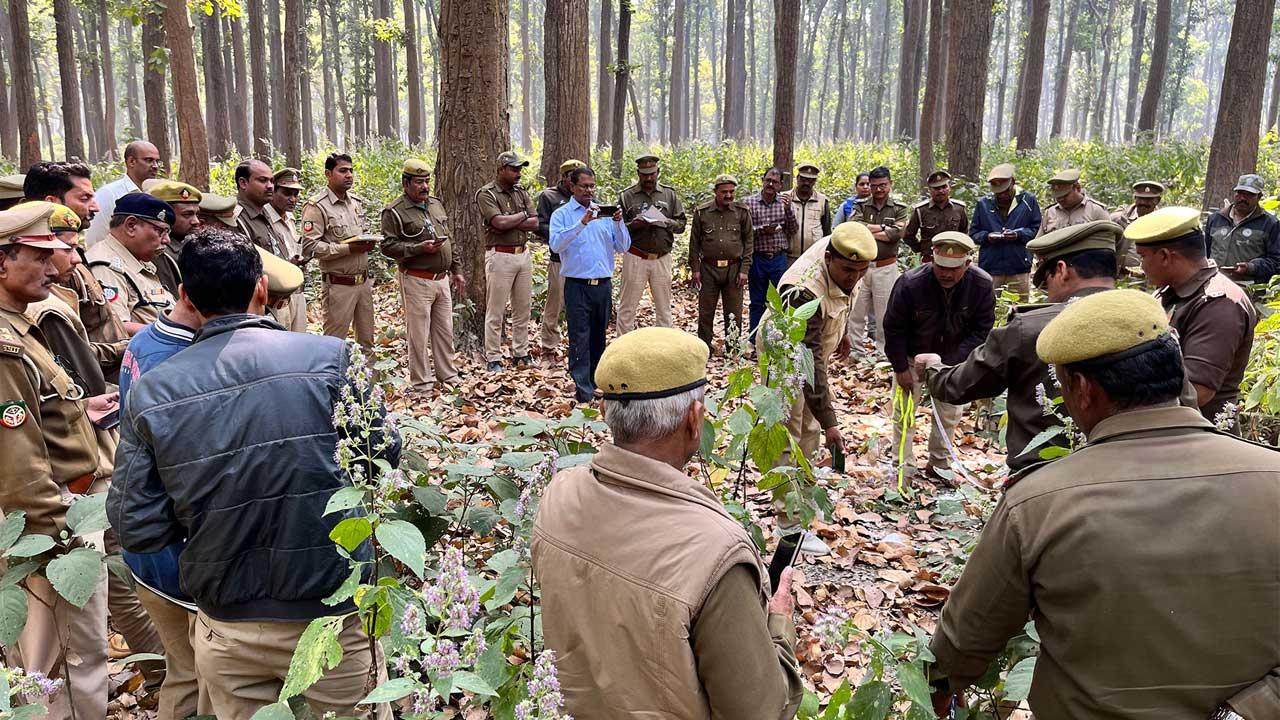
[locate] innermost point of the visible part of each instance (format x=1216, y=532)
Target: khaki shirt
x=494, y=201
x=282, y=225
x=928, y=220
x=1056, y=217
x=1126, y=250
x=256, y=225
x=721, y=235
x=652, y=238
x=47, y=439
x=133, y=288
x=166, y=262
x=327, y=220
x=408, y=228
x=100, y=322
x=814, y=219
x=893, y=215
x=1150, y=562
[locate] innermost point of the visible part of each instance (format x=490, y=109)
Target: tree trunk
x=1139, y=25
x=24, y=94
x=132, y=62
x=662, y=88
x=566, y=113
x=473, y=127
x=90, y=76
x=102, y=25
x=998, y=135
x=242, y=130
x=621, y=77
x=1181, y=68
x=786, y=45
x=1062, y=84
x=932, y=88
x=677, y=87
x=837, y=119
x=153, y=43
x=261, y=92
x=826, y=76
x=292, y=85
x=384, y=80
x=733, y=109
x=276, y=73
x=435, y=58
x=1273, y=113
x=413, y=72
x=326, y=79
x=217, y=117
x=1155, y=76
x=881, y=79
x=805, y=66
x=526, y=82
x=940, y=119
x=193, y=144
x=1028, y=121
x=8, y=130
x=348, y=121
x=635, y=111
x=604, y=76
x=1100, y=101
x=72, y=128
x=913, y=19
x=966, y=100
x=1235, y=134
x=695, y=108
x=304, y=82
x=43, y=99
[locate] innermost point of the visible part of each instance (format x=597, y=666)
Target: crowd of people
x=149, y=312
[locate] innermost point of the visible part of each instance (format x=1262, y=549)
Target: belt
x=886, y=262
x=424, y=274
x=646, y=255
x=769, y=254
x=337, y=279
x=555, y=257
x=720, y=263
x=509, y=249
x=81, y=485
x=589, y=281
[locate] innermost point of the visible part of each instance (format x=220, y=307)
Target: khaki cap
x=1095, y=235
x=1163, y=225
x=64, y=219
x=512, y=158
x=171, y=191
x=652, y=362
x=413, y=167
x=724, y=179
x=1060, y=184
x=853, y=241
x=1148, y=189
x=288, y=178
x=283, y=277
x=952, y=248
x=647, y=164
x=1105, y=326
x=938, y=178
x=224, y=208
x=1001, y=177
x=808, y=170
x=571, y=165
x=11, y=186
x=28, y=224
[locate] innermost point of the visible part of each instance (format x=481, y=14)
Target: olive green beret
x=1163, y=225
x=171, y=191
x=652, y=362
x=1102, y=326
x=952, y=248
x=283, y=277
x=11, y=186
x=571, y=165
x=853, y=241
x=64, y=219
x=413, y=167
x=1095, y=235
x=724, y=179
x=28, y=224
x=224, y=208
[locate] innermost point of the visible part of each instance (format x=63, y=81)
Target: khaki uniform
x=873, y=291
x=293, y=314
x=648, y=262
x=1056, y=217
x=49, y=446
x=407, y=229
x=1126, y=250
x=1157, y=541
x=1215, y=320
x=550, y=200
x=508, y=271
x=255, y=223
x=132, y=288
x=327, y=220
x=166, y=262
x=814, y=219
x=100, y=322
x=668, y=616
x=720, y=247
x=928, y=220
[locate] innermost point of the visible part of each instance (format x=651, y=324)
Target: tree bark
x=326, y=79
x=153, y=91
x=932, y=88
x=526, y=82
x=413, y=74
x=304, y=82
x=193, y=143
x=243, y=130
x=826, y=76
x=1273, y=113
x=940, y=119
x=384, y=80
x=1062, y=84
x=604, y=76
x=43, y=99
x=913, y=20
x=1181, y=68
x=473, y=127
x=662, y=87
x=258, y=72
x=72, y=127
x=1235, y=134
x=966, y=99
x=695, y=108
x=101, y=25
x=804, y=75
x=217, y=116
x=132, y=61
x=90, y=76
x=566, y=116
x=1139, y=24
x=1155, y=76
x=678, y=85
x=786, y=45
x=1028, y=120
x=24, y=94
x=292, y=85
x=8, y=130
x=998, y=134
x=1100, y=101
x=622, y=76
x=881, y=79
x=276, y=53
x=837, y=118
x=348, y=121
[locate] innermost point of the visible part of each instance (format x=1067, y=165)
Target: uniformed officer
x=255, y=185
x=50, y=456
x=219, y=211
x=886, y=218
x=10, y=190
x=332, y=232
x=185, y=201
x=122, y=261
x=812, y=210
x=1212, y=315
x=550, y=200
x=415, y=233
x=937, y=214
x=1073, y=207
x=1073, y=262
x=654, y=216
x=1146, y=196
x=1244, y=239
x=1156, y=540
x=509, y=217
x=284, y=198
x=720, y=246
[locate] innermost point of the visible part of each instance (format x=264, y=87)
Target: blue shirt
x=1007, y=257
x=586, y=251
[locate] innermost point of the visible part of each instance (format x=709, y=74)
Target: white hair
x=632, y=420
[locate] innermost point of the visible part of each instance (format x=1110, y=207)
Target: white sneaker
x=810, y=545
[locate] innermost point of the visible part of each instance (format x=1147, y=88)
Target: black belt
x=588, y=281
x=769, y=254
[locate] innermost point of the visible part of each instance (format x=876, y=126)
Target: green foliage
x=75, y=575
x=1260, y=389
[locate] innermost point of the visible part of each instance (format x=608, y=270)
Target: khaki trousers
x=509, y=277
x=637, y=272
x=873, y=295
x=1020, y=283
x=182, y=694
x=805, y=428
x=345, y=304
x=297, y=312
x=54, y=623
x=719, y=286
x=950, y=416
x=244, y=664
x=428, y=317
x=549, y=338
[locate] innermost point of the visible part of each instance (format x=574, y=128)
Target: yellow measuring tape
x=904, y=412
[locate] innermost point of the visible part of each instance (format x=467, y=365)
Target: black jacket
x=229, y=445
x=923, y=318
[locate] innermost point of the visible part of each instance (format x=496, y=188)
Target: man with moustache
x=122, y=262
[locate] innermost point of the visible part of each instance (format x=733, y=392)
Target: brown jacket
x=659, y=611
x=410, y=229
x=1150, y=562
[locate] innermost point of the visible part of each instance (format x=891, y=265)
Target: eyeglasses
x=160, y=228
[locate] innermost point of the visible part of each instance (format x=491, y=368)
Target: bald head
x=141, y=161
x=254, y=182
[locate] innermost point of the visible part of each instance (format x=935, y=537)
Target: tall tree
x=1273, y=113
x=193, y=143
x=275, y=52
x=258, y=72
x=694, y=126
x=566, y=115
x=932, y=88
x=304, y=81
x=1155, y=76
x=384, y=79
x=216, y=96
x=786, y=45
x=90, y=77
x=8, y=130
x=326, y=78
x=998, y=133
x=413, y=74
x=473, y=125
x=1139, y=24
x=72, y=128
x=24, y=95
x=103, y=25
x=292, y=84
x=622, y=77
x=734, y=109
x=1235, y=135
x=1028, y=121
x=913, y=22
x=153, y=92
x=241, y=124
x=966, y=98
x=132, y=60
x=1100, y=102
x=1062, y=84
x=604, y=78
x=677, y=107
x=526, y=79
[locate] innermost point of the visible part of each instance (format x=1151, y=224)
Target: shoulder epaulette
x=921, y=204
x=9, y=343
x=1018, y=475
x=961, y=203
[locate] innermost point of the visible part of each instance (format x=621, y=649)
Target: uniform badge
x=307, y=225
x=9, y=343
x=110, y=293
x=1247, y=232
x=13, y=414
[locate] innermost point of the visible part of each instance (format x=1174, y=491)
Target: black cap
x=148, y=207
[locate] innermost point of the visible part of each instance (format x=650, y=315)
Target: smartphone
x=603, y=211
x=837, y=458
x=109, y=421
x=786, y=554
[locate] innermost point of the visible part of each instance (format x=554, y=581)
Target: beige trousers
x=549, y=338
x=54, y=623
x=347, y=304
x=1020, y=283
x=510, y=278
x=804, y=427
x=428, y=317
x=244, y=664
x=637, y=272
x=950, y=416
x=873, y=295
x=182, y=694
x=297, y=312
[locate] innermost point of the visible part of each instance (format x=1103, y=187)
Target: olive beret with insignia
x=652, y=362
x=11, y=186
x=28, y=224
x=283, y=277
x=145, y=206
x=1103, y=327
x=288, y=178
x=853, y=241
x=724, y=179
x=1164, y=225
x=1095, y=235
x=571, y=165
x=952, y=248
x=64, y=219
x=413, y=167
x=171, y=191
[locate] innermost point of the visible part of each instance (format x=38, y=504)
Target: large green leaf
x=836, y=703
x=13, y=615
x=1017, y=685
x=351, y=532
x=472, y=683
x=76, y=575
x=871, y=701
x=10, y=528
x=765, y=444
x=343, y=499
x=30, y=545
x=346, y=589
x=275, y=711
x=391, y=690
x=914, y=684
x=318, y=650
x=404, y=542
x=88, y=515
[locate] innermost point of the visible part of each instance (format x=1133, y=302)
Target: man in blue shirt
x=1003, y=223
x=586, y=245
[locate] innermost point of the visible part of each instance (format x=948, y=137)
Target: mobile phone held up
x=606, y=211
